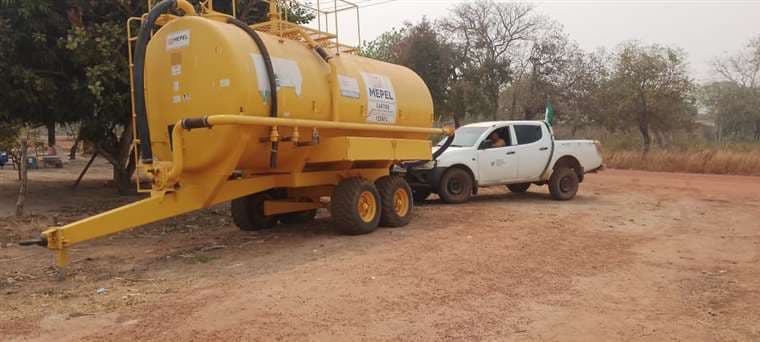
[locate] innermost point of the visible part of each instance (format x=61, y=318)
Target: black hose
x=267, y=62
x=444, y=147
x=141, y=46
x=270, y=74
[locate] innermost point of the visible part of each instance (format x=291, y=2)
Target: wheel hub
x=367, y=206
x=401, y=202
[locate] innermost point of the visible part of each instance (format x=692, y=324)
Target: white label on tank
x=176, y=70
x=175, y=86
x=224, y=83
x=179, y=39
x=287, y=73
x=381, y=99
x=349, y=86
x=176, y=99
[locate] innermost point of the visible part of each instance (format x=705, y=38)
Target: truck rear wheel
x=455, y=186
x=563, y=184
x=518, y=188
x=248, y=212
x=396, y=201
x=355, y=207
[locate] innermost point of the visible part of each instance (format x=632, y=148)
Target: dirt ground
x=637, y=256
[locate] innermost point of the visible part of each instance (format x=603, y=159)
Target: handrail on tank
x=238, y=120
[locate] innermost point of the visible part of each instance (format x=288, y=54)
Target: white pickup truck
x=525, y=153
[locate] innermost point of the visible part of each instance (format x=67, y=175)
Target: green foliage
x=36, y=71
x=385, y=47
x=734, y=101
x=423, y=49
x=257, y=11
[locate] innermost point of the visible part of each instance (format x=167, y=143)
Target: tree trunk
x=74, y=148
x=51, y=133
x=757, y=130
x=646, y=139
x=23, y=177
x=661, y=142
x=122, y=179
x=118, y=154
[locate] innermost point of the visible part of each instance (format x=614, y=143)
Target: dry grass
x=715, y=161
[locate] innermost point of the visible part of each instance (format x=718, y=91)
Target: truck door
x=496, y=163
x=533, y=150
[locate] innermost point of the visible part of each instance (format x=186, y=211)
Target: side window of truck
x=527, y=134
x=502, y=134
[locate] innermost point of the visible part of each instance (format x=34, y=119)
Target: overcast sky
x=704, y=29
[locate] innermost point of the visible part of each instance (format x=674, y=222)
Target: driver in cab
x=496, y=140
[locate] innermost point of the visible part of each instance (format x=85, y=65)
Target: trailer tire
x=300, y=217
x=455, y=186
x=396, y=201
x=355, y=207
x=519, y=187
x=563, y=184
x=248, y=212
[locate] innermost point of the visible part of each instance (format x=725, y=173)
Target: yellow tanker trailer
x=272, y=117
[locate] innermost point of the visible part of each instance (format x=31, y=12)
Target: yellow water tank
x=197, y=66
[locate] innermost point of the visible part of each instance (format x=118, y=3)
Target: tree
x=35, y=69
x=652, y=88
x=257, y=11
x=385, y=47
x=98, y=47
x=423, y=49
x=486, y=34
x=735, y=100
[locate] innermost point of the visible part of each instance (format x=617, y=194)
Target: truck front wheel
x=455, y=186
x=563, y=184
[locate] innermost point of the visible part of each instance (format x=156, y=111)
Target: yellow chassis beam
x=165, y=205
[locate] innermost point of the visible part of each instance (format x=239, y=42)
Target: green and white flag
x=549, y=118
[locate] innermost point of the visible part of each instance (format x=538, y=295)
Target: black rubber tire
x=421, y=195
x=563, y=184
x=344, y=207
x=300, y=217
x=519, y=188
x=455, y=186
x=387, y=187
x=248, y=212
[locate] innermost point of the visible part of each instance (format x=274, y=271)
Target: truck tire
x=396, y=201
x=563, y=184
x=455, y=186
x=420, y=195
x=300, y=217
x=355, y=207
x=248, y=212
x=518, y=188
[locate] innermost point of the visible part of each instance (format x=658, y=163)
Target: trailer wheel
x=355, y=207
x=518, y=188
x=455, y=186
x=421, y=195
x=563, y=184
x=300, y=217
x=396, y=201
x=248, y=212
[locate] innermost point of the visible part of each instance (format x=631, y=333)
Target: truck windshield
x=465, y=136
